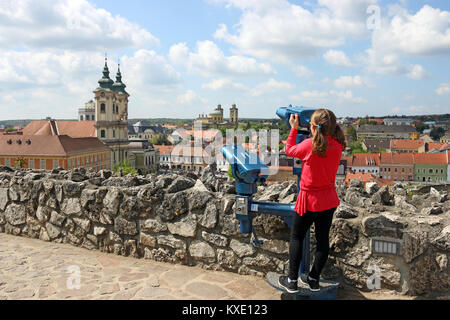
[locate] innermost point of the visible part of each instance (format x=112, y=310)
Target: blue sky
x=182, y=58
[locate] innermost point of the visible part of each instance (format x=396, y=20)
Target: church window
x=102, y=108
x=103, y=134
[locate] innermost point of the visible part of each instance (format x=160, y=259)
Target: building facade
x=397, y=166
x=53, y=152
x=430, y=167
x=88, y=112
x=216, y=119
x=143, y=156
x=386, y=132
x=111, y=115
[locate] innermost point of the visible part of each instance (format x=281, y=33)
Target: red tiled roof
x=164, y=149
x=430, y=158
x=49, y=146
x=406, y=144
x=397, y=158
x=365, y=160
x=74, y=129
x=437, y=146
x=367, y=177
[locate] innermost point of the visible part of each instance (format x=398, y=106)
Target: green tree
x=160, y=139
x=230, y=173
x=126, y=167
x=352, y=132
x=420, y=127
x=437, y=133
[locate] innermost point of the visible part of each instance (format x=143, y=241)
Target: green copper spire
x=119, y=86
x=105, y=82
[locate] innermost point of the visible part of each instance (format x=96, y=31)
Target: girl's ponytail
x=320, y=142
x=339, y=136
x=325, y=122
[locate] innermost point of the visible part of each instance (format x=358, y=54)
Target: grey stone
x=100, y=231
x=72, y=189
x=179, y=184
x=345, y=211
x=147, y=240
x=112, y=201
x=43, y=214
x=343, y=235
x=415, y=243
x=431, y=210
x=3, y=198
x=242, y=249
x=215, y=239
x=185, y=228
x=382, y=196
x=372, y=187
x=153, y=226
x=15, y=214
x=198, y=200
x=209, y=218
x=87, y=195
x=52, y=231
x=261, y=261
x=71, y=207
x=442, y=241
x=124, y=227
x=202, y=250
x=171, y=241
x=85, y=224
x=386, y=224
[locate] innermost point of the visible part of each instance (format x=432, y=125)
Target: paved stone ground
x=32, y=269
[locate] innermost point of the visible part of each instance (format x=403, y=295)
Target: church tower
x=234, y=115
x=111, y=114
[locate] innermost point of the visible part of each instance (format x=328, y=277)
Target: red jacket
x=317, y=186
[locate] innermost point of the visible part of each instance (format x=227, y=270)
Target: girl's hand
x=293, y=121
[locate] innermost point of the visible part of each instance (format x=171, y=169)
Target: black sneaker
x=312, y=283
x=290, y=287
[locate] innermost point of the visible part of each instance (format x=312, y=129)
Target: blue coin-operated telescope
x=248, y=171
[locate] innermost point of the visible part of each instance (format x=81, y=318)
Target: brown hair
x=325, y=122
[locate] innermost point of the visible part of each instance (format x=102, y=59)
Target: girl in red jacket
x=317, y=200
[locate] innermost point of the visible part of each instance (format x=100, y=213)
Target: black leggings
x=322, y=222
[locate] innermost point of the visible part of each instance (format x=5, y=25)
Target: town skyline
x=179, y=60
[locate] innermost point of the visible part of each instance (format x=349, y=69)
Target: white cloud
x=59, y=83
x=68, y=25
x=345, y=82
x=385, y=63
x=302, y=71
x=146, y=69
x=328, y=96
x=281, y=31
x=270, y=86
x=406, y=36
x=337, y=58
x=425, y=33
x=444, y=88
x=417, y=72
x=209, y=60
x=189, y=97
x=223, y=83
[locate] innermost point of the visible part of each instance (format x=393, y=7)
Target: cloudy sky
x=182, y=58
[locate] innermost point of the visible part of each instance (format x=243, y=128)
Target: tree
x=126, y=167
x=352, y=132
x=420, y=127
x=160, y=139
x=437, y=133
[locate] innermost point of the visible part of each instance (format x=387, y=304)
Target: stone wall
x=179, y=219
